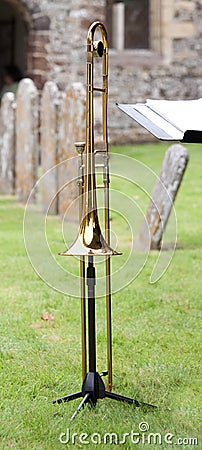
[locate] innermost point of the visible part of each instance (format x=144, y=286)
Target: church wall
x=170, y=69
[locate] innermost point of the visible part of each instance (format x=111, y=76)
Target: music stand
x=168, y=120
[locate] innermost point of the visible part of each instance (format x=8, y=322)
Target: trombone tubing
x=80, y=147
x=90, y=88
x=90, y=162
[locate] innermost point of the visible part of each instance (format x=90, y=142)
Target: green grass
x=156, y=335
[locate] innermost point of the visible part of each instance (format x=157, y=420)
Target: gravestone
x=7, y=144
x=49, y=146
x=72, y=126
x=27, y=150
x=163, y=196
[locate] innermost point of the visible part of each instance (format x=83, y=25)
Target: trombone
x=90, y=241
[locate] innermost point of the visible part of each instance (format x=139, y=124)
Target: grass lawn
x=156, y=338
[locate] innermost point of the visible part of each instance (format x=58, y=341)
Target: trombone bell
x=90, y=241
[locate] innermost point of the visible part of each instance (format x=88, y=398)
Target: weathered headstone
x=71, y=129
x=7, y=144
x=163, y=196
x=49, y=146
x=27, y=149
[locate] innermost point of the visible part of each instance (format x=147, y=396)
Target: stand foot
x=93, y=389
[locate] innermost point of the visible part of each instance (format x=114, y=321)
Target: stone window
x=144, y=27
x=128, y=24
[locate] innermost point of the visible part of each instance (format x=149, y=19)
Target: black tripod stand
x=93, y=387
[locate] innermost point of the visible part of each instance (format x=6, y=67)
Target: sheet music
x=185, y=115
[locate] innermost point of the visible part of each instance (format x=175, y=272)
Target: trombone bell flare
x=90, y=241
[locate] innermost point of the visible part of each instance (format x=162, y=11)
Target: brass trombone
x=90, y=240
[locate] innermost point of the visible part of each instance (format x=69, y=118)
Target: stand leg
x=122, y=398
x=68, y=398
x=81, y=405
x=91, y=315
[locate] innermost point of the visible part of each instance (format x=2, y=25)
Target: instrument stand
x=93, y=387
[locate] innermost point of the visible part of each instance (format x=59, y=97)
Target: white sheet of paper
x=185, y=115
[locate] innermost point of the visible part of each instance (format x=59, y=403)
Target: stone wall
x=171, y=69
x=143, y=74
